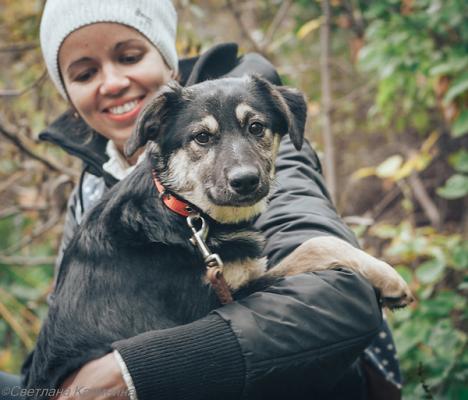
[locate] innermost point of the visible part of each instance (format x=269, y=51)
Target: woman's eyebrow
x=128, y=42
x=117, y=47
x=77, y=62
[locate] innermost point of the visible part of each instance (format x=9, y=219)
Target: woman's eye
x=85, y=75
x=256, y=128
x=130, y=58
x=203, y=138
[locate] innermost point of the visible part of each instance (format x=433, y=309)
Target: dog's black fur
x=131, y=268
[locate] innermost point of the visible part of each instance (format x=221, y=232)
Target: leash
x=214, y=264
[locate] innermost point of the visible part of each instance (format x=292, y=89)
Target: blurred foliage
x=399, y=117
x=417, y=51
x=430, y=335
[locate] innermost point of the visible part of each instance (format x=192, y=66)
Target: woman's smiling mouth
x=119, y=110
x=125, y=112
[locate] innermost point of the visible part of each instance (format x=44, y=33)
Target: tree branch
x=423, y=198
x=11, y=180
x=35, y=322
x=15, y=325
x=330, y=174
x=276, y=23
x=13, y=210
x=244, y=30
x=38, y=232
x=357, y=24
x=18, y=47
x=26, y=261
x=386, y=201
x=53, y=165
x=16, y=93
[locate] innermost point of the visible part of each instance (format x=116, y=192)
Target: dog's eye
x=203, y=138
x=256, y=128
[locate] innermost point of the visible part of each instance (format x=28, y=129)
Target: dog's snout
x=244, y=180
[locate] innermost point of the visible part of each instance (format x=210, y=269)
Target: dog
x=133, y=267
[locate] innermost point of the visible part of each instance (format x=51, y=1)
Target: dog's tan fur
x=326, y=252
x=319, y=254
x=239, y=274
x=242, y=113
x=208, y=123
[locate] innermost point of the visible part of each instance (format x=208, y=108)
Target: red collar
x=173, y=203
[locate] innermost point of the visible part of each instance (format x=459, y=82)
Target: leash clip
x=199, y=236
x=214, y=264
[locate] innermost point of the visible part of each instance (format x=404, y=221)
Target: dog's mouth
x=230, y=199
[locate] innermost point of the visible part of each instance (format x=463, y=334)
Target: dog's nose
x=244, y=180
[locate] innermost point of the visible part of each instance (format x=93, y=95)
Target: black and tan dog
x=132, y=268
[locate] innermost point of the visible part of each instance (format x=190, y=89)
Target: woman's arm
x=300, y=207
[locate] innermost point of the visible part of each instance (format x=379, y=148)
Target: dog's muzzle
x=244, y=180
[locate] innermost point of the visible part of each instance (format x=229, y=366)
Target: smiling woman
x=110, y=71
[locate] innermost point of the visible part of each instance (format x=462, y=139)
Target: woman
x=301, y=339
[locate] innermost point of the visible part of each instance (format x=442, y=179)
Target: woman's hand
x=100, y=379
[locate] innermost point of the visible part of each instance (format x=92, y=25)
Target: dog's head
x=215, y=143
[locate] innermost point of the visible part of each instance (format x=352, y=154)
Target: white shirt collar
x=117, y=165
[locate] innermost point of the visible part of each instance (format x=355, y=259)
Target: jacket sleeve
x=301, y=334
x=300, y=207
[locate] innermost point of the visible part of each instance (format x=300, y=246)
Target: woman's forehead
x=97, y=39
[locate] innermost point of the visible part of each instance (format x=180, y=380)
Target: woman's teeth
x=124, y=108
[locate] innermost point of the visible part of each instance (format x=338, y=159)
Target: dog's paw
x=394, y=291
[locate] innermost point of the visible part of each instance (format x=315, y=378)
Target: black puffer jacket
x=304, y=338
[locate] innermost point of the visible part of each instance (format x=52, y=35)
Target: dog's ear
x=297, y=106
x=153, y=117
x=292, y=105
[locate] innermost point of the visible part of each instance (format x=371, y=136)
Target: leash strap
x=213, y=262
x=219, y=284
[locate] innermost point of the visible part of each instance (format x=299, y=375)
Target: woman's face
x=110, y=71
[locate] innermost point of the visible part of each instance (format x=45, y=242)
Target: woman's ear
x=75, y=113
x=153, y=117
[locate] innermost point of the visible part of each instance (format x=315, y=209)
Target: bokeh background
x=387, y=88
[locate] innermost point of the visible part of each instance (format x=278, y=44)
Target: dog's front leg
x=326, y=252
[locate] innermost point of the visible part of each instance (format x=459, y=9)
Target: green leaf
x=460, y=126
x=420, y=120
x=459, y=86
x=385, y=231
x=389, y=167
x=410, y=334
x=430, y=271
x=459, y=161
x=405, y=273
x=455, y=187
x=425, y=293
x=451, y=66
x=460, y=257
x=442, y=305
x=309, y=27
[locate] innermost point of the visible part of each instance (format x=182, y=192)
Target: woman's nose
x=114, y=81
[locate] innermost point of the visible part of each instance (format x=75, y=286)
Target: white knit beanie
x=155, y=19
